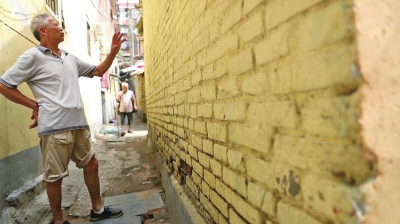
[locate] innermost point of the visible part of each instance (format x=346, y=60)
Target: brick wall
x=253, y=107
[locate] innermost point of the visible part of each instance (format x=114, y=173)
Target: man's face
x=124, y=88
x=54, y=30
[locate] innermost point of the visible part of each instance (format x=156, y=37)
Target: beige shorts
x=58, y=149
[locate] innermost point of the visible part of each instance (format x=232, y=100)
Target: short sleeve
x=23, y=70
x=85, y=69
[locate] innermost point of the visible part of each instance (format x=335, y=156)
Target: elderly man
x=127, y=103
x=57, y=111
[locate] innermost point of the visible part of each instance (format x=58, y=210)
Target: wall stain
x=294, y=187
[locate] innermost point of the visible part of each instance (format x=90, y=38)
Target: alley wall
x=20, y=158
x=253, y=106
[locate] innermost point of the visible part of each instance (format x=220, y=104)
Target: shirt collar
x=44, y=49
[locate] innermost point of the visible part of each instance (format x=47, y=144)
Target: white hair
x=40, y=20
x=125, y=84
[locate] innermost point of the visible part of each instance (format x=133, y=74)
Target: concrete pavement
x=127, y=181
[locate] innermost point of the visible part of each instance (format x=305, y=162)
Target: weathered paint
x=15, y=170
x=378, y=31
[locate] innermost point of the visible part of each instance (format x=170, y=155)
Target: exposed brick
x=255, y=194
x=180, y=132
x=204, y=159
x=249, y=5
x=209, y=178
x=197, y=179
x=208, y=147
x=235, y=160
x=329, y=199
x=228, y=89
x=276, y=113
x=193, y=188
x=241, y=62
x=222, y=47
x=305, y=73
x=217, y=131
x=245, y=209
x=235, y=218
x=205, y=110
x=254, y=138
x=191, y=124
x=230, y=111
x=197, y=142
x=288, y=214
x=197, y=168
x=194, y=96
x=221, y=188
x=252, y=28
x=336, y=28
x=205, y=188
x=324, y=156
x=269, y=204
x=220, y=153
x=222, y=219
x=279, y=176
x=232, y=16
x=208, y=72
x=219, y=202
x=201, y=127
x=188, y=159
x=255, y=84
x=235, y=181
x=208, y=93
x=196, y=78
x=273, y=47
x=333, y=117
x=208, y=206
x=221, y=67
x=278, y=11
x=216, y=167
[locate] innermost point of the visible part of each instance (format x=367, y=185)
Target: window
x=53, y=5
x=88, y=38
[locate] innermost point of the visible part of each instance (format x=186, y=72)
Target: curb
x=18, y=198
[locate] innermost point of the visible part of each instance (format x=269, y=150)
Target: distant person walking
x=57, y=110
x=127, y=104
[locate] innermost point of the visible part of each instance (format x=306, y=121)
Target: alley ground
x=127, y=166
x=128, y=179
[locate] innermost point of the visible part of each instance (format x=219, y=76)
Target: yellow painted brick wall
x=253, y=106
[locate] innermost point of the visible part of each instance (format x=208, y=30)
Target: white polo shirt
x=54, y=84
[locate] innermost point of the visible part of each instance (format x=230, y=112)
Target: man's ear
x=42, y=31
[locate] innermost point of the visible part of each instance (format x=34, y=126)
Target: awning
x=139, y=65
x=138, y=71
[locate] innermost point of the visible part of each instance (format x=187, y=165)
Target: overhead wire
x=18, y=32
x=100, y=12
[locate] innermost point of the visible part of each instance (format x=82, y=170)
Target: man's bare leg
x=91, y=176
x=54, y=195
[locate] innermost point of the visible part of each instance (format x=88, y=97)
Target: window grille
x=53, y=5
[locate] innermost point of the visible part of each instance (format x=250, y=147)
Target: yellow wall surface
x=15, y=38
x=254, y=107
